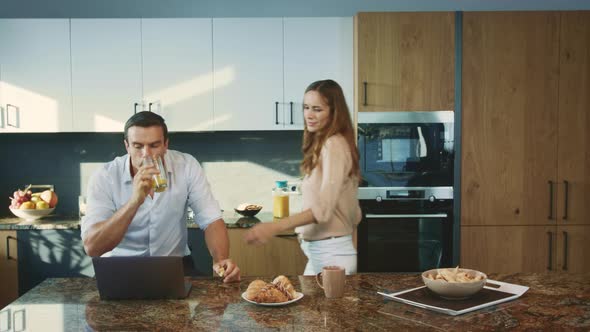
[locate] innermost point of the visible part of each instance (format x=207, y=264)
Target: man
x=125, y=217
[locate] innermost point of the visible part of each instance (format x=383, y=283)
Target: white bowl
x=31, y=214
x=454, y=290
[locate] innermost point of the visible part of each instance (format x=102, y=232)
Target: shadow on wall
x=56, y=159
x=50, y=254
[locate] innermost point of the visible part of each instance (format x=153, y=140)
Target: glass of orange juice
x=160, y=181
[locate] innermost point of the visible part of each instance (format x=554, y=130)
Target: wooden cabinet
x=8, y=267
x=35, y=86
x=525, y=162
x=404, y=61
x=281, y=255
x=509, y=249
x=177, y=63
x=106, y=73
x=573, y=155
x=510, y=95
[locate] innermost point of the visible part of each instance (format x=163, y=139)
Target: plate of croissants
x=276, y=293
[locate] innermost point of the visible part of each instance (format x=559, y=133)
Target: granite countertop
x=555, y=301
x=232, y=220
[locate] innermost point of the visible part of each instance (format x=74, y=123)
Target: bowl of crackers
x=248, y=210
x=454, y=283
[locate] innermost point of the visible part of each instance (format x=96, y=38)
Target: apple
x=42, y=205
x=28, y=205
x=50, y=197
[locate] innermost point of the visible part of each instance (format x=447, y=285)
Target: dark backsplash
x=55, y=158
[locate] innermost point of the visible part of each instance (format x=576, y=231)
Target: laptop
x=140, y=277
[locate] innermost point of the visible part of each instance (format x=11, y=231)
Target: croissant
x=270, y=294
x=284, y=284
x=280, y=290
x=254, y=288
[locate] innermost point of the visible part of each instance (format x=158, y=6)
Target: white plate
x=298, y=296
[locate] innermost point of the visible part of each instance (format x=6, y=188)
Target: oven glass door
x=403, y=242
x=412, y=154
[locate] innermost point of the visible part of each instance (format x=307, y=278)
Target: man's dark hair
x=146, y=119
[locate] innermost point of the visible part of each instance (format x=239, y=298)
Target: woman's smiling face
x=315, y=111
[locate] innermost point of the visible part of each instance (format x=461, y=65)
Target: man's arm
x=218, y=245
x=105, y=235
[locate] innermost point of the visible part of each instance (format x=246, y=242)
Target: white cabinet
x=178, y=71
x=248, y=73
x=91, y=75
x=35, y=86
x=106, y=73
x=316, y=48
x=263, y=65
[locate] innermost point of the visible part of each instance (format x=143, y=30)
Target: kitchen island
x=554, y=301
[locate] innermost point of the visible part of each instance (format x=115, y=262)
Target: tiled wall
x=241, y=166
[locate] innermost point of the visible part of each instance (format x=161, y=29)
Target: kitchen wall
x=241, y=166
x=262, y=8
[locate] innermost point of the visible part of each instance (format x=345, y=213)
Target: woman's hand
x=262, y=232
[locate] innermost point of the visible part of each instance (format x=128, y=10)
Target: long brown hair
x=339, y=123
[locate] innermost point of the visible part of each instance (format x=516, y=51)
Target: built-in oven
x=405, y=229
x=406, y=191
x=406, y=149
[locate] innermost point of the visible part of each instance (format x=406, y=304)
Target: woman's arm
x=262, y=232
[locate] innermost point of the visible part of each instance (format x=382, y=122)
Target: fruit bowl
x=31, y=214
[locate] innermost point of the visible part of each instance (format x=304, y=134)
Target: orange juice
x=159, y=183
x=280, y=207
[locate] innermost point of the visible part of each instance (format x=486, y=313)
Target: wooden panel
x=510, y=78
x=578, y=246
x=426, y=61
x=282, y=255
x=375, y=50
x=507, y=249
x=574, y=117
x=8, y=269
x=407, y=60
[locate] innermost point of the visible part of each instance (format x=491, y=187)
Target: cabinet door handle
x=23, y=326
x=365, y=94
x=564, y=251
x=17, y=123
x=291, y=107
x=550, y=237
x=276, y=112
x=8, y=319
x=566, y=186
x=135, y=108
x=550, y=200
x=2, y=124
x=8, y=238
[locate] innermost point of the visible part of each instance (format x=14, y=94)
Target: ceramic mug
x=331, y=280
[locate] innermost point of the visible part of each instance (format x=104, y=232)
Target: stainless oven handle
x=384, y=216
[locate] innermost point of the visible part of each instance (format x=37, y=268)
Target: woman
x=331, y=174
